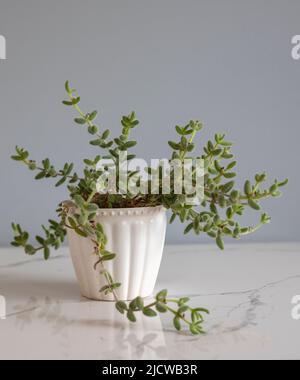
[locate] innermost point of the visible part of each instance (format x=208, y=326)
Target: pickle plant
x=217, y=216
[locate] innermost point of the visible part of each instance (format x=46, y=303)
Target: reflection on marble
x=248, y=289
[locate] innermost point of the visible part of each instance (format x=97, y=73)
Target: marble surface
x=248, y=288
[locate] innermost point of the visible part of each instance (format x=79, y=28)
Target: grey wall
x=227, y=62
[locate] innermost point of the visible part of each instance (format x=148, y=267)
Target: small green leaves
x=283, y=183
x=259, y=178
x=174, y=145
x=46, y=252
x=265, y=219
x=149, y=312
x=131, y=316
x=220, y=242
x=105, y=289
x=229, y=175
x=248, y=188
x=177, y=324
x=92, y=116
x=228, y=187
x=137, y=304
x=93, y=130
x=121, y=307
x=30, y=250
x=109, y=257
x=188, y=228
x=21, y=155
x=162, y=295
x=161, y=307
x=254, y=204
x=196, y=329
x=234, y=195
x=80, y=121
x=71, y=102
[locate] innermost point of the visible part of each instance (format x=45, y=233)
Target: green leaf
x=140, y=303
x=130, y=144
x=202, y=310
x=61, y=181
x=216, y=152
x=231, y=166
x=172, y=219
x=79, y=200
x=188, y=228
x=162, y=295
x=179, y=130
x=137, y=304
x=161, y=307
x=229, y=175
x=108, y=257
x=40, y=240
x=218, y=167
x=80, y=121
x=173, y=145
x=183, y=309
x=96, y=142
x=248, y=188
x=46, y=253
x=265, y=219
x=234, y=195
x=80, y=232
x=105, y=134
x=92, y=207
x=75, y=100
x=72, y=222
x=195, y=329
x=41, y=175
x=93, y=130
x=284, y=183
x=226, y=143
x=254, y=204
x=93, y=115
x=183, y=300
x=67, y=87
x=177, y=324
x=30, y=250
x=121, y=307
x=228, y=187
x=220, y=242
x=131, y=316
x=149, y=312
x=104, y=288
x=67, y=103
x=16, y=158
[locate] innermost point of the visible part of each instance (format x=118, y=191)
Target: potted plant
x=117, y=237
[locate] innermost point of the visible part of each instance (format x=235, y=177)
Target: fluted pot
x=137, y=236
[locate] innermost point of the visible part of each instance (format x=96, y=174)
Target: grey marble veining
x=248, y=290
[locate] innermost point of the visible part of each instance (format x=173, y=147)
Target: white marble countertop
x=248, y=288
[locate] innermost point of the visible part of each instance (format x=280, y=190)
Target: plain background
x=226, y=62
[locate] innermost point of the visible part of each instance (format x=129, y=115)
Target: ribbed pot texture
x=137, y=236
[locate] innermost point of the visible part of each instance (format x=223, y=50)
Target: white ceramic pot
x=137, y=236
